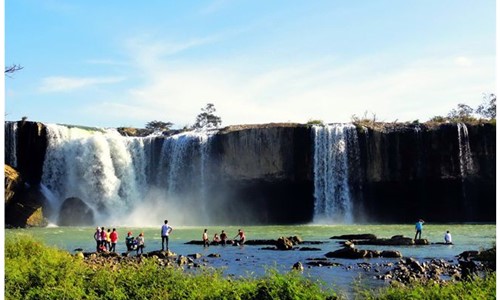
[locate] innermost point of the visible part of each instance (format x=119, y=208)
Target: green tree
x=462, y=113
x=159, y=125
x=488, y=109
x=207, y=118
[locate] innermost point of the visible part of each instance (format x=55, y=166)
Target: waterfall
x=182, y=170
x=334, y=146
x=52, y=203
x=95, y=166
x=126, y=180
x=11, y=144
x=464, y=153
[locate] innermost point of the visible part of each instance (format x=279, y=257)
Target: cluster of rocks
x=282, y=243
x=353, y=253
x=371, y=239
x=163, y=258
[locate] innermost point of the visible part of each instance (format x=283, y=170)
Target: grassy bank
x=477, y=288
x=35, y=271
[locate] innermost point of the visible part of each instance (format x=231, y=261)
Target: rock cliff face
x=264, y=174
x=422, y=172
x=268, y=170
x=23, y=200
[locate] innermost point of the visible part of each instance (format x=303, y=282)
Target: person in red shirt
x=114, y=238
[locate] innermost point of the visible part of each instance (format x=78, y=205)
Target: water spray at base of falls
x=128, y=180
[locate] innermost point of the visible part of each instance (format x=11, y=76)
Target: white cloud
x=64, y=84
x=325, y=89
x=463, y=61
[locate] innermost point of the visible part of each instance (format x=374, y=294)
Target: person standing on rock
x=204, y=237
x=104, y=238
x=97, y=238
x=114, y=238
x=130, y=242
x=418, y=229
x=165, y=232
x=447, y=238
x=140, y=243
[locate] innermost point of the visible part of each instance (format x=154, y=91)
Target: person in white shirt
x=165, y=232
x=447, y=238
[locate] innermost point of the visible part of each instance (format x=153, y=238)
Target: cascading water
x=11, y=144
x=465, y=156
x=332, y=196
x=128, y=180
x=466, y=163
x=182, y=170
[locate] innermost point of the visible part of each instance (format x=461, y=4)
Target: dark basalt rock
x=397, y=240
x=363, y=236
x=75, y=212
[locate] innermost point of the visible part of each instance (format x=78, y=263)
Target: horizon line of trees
x=464, y=113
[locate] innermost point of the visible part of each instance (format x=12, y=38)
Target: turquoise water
x=250, y=260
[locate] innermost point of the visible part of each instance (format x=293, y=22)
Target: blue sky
x=125, y=63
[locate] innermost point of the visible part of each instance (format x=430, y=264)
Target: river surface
x=251, y=260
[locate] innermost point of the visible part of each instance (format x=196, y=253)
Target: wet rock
x=182, y=260
x=363, y=236
x=349, y=253
x=284, y=243
x=397, y=240
x=309, y=249
x=195, y=255
x=298, y=266
x=75, y=212
x=214, y=255
x=322, y=263
x=467, y=255
x=422, y=242
x=391, y=254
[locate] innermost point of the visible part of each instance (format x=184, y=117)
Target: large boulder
x=13, y=183
x=25, y=207
x=347, y=252
x=75, y=212
x=284, y=243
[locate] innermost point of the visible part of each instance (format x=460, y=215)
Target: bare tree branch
x=12, y=69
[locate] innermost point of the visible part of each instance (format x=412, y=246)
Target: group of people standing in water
x=106, y=240
x=222, y=238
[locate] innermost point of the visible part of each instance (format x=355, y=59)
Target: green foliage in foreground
x=35, y=271
x=477, y=288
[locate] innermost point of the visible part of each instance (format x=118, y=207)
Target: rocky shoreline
x=403, y=271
